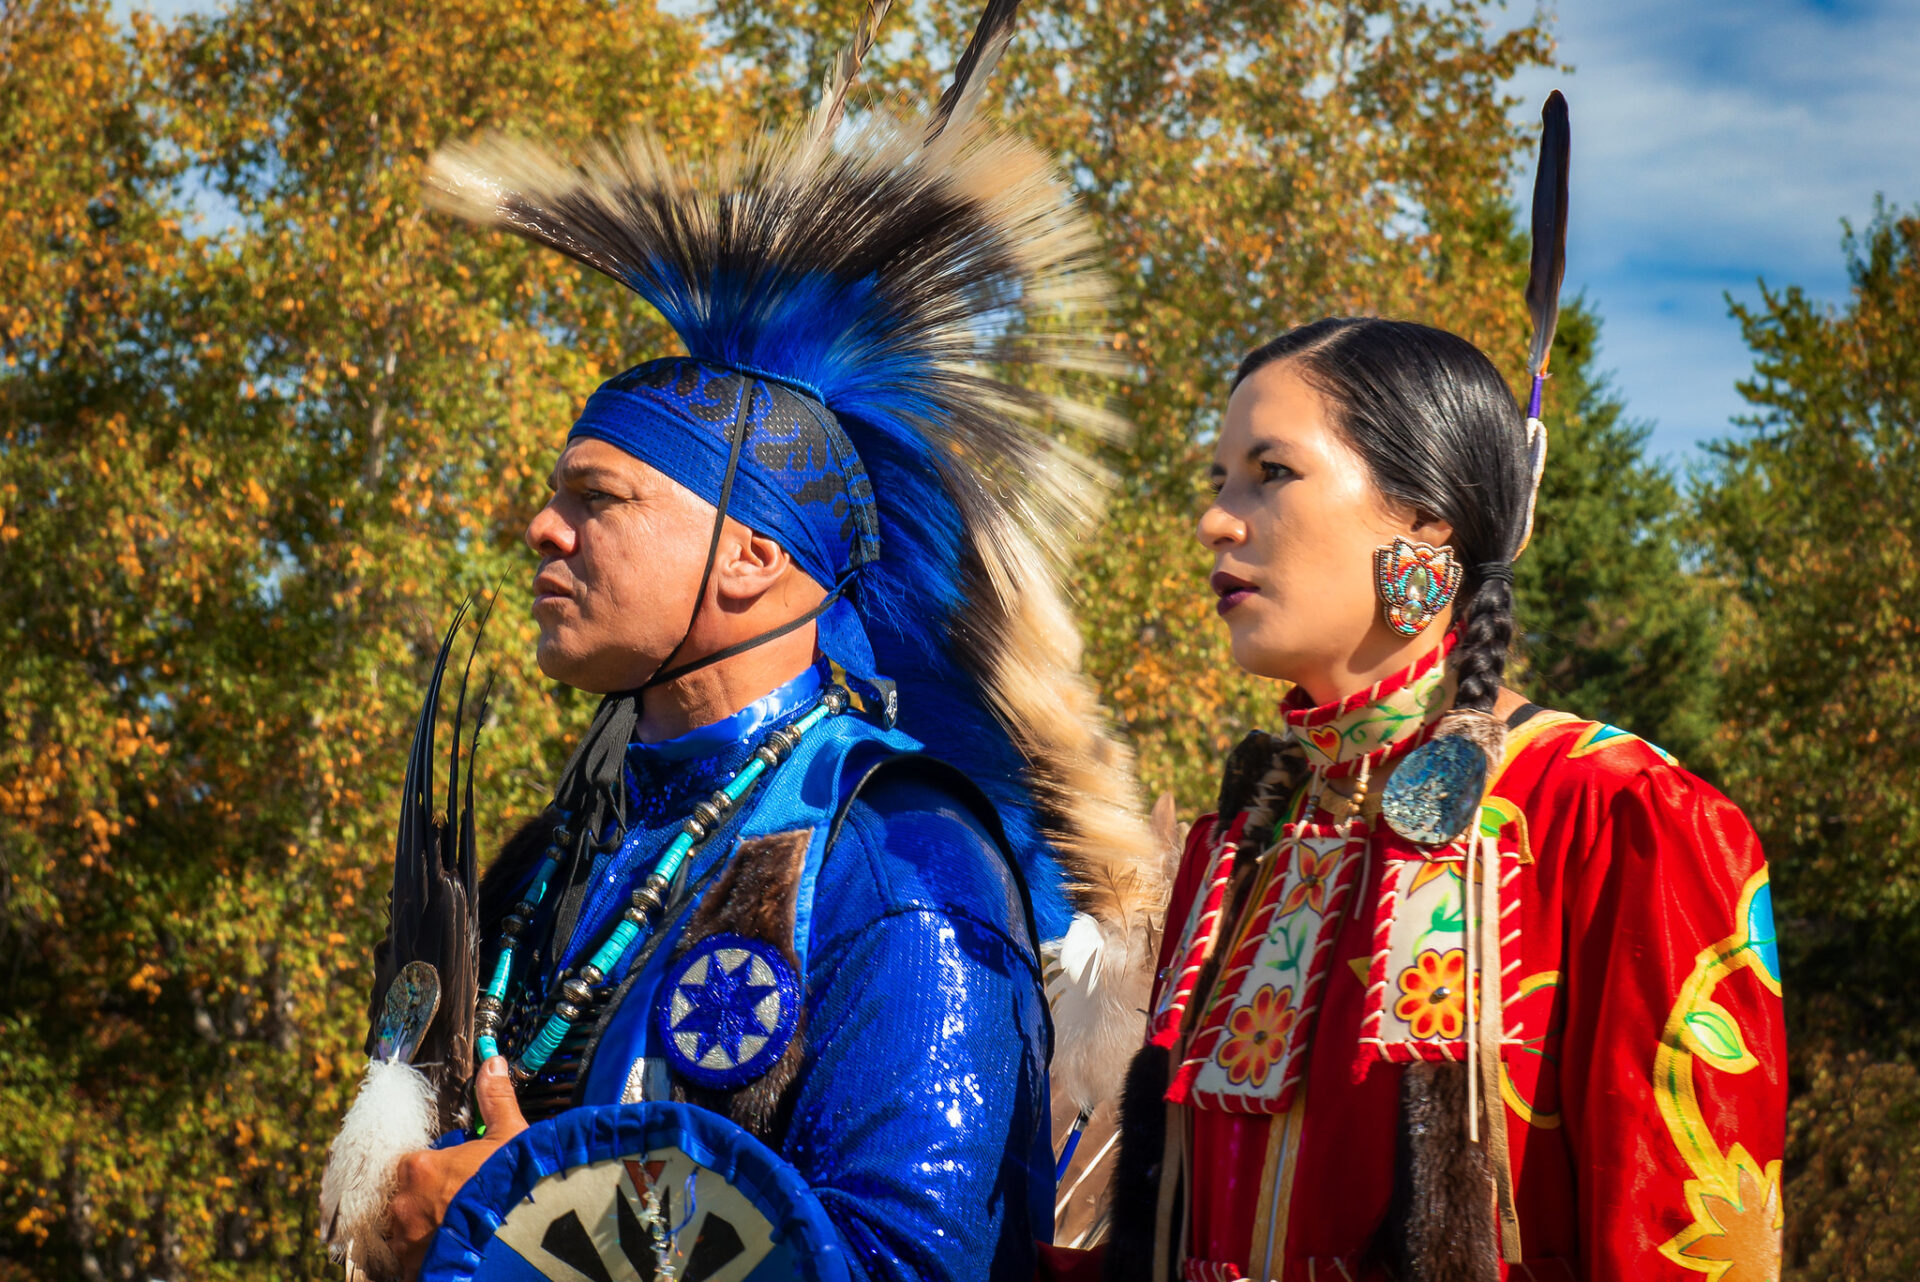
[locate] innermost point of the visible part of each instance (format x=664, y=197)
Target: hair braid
x=1479, y=658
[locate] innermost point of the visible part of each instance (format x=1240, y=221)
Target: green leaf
x=1716, y=1035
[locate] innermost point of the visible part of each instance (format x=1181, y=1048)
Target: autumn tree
x=246, y=474
x=1812, y=516
x=265, y=421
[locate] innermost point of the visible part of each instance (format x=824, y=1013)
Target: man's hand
x=429, y=1179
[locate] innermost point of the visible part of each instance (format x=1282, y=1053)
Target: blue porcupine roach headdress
x=846, y=304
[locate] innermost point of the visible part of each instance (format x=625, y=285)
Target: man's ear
x=749, y=565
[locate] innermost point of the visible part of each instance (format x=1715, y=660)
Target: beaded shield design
x=634, y=1193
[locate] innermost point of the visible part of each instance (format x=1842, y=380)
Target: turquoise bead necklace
x=641, y=916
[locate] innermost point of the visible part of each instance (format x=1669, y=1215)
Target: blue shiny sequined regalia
x=920, y=1116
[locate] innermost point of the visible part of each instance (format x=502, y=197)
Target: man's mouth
x=547, y=588
x=1231, y=590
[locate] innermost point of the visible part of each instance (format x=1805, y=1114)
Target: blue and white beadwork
x=727, y=1011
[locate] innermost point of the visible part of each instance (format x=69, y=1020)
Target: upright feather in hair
x=1544, y=274
x=1549, y=265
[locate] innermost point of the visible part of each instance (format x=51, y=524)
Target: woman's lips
x=1232, y=590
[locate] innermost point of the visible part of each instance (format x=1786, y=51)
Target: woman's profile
x=1453, y=986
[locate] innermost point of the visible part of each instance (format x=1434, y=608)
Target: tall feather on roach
x=844, y=69
x=991, y=36
x=420, y=1013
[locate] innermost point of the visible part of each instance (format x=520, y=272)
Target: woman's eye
x=1215, y=484
x=1274, y=471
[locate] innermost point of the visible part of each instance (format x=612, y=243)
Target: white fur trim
x=393, y=1115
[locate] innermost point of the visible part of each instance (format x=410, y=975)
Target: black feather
x=990, y=38
x=1549, y=266
x=431, y=911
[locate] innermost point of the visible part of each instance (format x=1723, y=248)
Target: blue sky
x=1714, y=142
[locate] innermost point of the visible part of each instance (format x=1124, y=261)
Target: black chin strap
x=591, y=789
x=663, y=674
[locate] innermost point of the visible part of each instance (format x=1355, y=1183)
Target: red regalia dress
x=1638, y=1040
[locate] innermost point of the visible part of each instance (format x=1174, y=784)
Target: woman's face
x=1293, y=526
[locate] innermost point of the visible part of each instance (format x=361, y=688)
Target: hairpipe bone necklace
x=641, y=916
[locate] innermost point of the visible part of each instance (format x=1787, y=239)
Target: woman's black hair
x=1440, y=432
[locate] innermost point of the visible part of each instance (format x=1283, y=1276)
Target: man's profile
x=789, y=899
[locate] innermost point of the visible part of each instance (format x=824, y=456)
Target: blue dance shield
x=636, y=1193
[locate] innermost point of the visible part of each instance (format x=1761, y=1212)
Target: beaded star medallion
x=728, y=1010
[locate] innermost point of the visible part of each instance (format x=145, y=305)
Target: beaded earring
x=1415, y=582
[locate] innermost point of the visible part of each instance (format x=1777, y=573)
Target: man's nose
x=548, y=534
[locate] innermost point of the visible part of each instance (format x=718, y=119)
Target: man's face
x=621, y=549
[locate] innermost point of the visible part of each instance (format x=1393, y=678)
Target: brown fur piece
x=1439, y=1225
x=1137, y=1174
x=1246, y=764
x=755, y=897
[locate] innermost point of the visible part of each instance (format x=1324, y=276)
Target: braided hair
x=1440, y=432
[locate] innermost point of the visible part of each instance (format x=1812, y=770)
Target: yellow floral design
x=1257, y=1036
x=1737, y=1215
x=1435, y=994
x=1310, y=887
x=1735, y=1238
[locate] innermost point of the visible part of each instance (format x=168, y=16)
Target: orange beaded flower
x=1316, y=870
x=1257, y=1036
x=1435, y=989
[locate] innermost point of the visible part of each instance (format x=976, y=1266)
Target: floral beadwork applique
x=1256, y=1037
x=1250, y=1048
x=1434, y=994
x=1418, y=982
x=1312, y=874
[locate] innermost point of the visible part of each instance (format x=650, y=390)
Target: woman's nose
x=1219, y=528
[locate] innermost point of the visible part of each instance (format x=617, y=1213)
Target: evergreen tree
x=1613, y=625
x=1812, y=517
